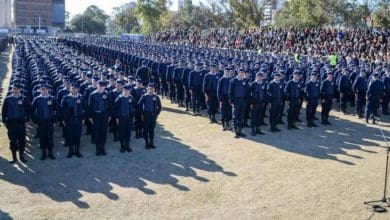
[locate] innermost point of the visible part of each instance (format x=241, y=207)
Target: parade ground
x=199, y=171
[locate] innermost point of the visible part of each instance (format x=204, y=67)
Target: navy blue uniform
x=15, y=113
x=136, y=93
x=312, y=95
x=374, y=94
x=150, y=106
x=292, y=92
x=258, y=91
x=124, y=111
x=210, y=84
x=44, y=114
x=73, y=116
x=185, y=81
x=359, y=87
x=223, y=98
x=327, y=93
x=275, y=91
x=345, y=88
x=239, y=93
x=99, y=112
x=143, y=73
x=386, y=97
x=195, y=83
x=177, y=80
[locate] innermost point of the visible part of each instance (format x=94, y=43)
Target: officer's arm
x=205, y=82
x=34, y=110
x=158, y=105
x=115, y=112
x=231, y=91
x=219, y=88
x=287, y=90
x=4, y=111
x=27, y=108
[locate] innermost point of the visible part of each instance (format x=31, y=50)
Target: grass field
x=199, y=171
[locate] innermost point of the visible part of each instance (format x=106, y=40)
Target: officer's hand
x=117, y=121
x=109, y=119
x=91, y=120
x=191, y=91
x=83, y=122
x=63, y=123
x=206, y=97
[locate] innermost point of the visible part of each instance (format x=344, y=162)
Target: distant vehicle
x=135, y=37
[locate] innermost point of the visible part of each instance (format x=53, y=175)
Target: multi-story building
x=33, y=14
x=5, y=14
x=58, y=13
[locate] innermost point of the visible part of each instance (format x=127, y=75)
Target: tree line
x=150, y=16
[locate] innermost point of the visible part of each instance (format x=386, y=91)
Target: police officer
x=15, y=114
x=238, y=95
x=386, y=97
x=136, y=93
x=124, y=110
x=143, y=73
x=44, y=113
x=113, y=95
x=195, y=83
x=258, y=99
x=292, y=94
x=223, y=98
x=360, y=89
x=327, y=93
x=99, y=116
x=312, y=95
x=275, y=91
x=210, y=83
x=150, y=106
x=345, y=88
x=374, y=94
x=73, y=118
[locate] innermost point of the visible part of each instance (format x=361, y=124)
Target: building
x=33, y=14
x=58, y=11
x=5, y=14
x=271, y=7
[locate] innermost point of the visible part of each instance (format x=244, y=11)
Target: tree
x=246, y=13
x=92, y=21
x=125, y=20
x=382, y=14
x=302, y=13
x=150, y=12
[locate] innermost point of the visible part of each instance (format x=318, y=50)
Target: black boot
x=223, y=125
x=50, y=155
x=98, y=150
x=103, y=150
x=253, y=132
x=44, y=155
x=70, y=153
x=242, y=134
x=77, y=151
x=14, y=159
x=21, y=156
x=151, y=143
x=127, y=146
x=258, y=131
x=237, y=134
x=122, y=150
x=147, y=145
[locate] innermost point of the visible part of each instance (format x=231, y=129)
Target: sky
x=78, y=6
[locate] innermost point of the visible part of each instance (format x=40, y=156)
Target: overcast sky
x=78, y=6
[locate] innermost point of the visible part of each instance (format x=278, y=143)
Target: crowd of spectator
x=363, y=44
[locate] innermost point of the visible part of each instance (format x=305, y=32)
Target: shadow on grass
x=65, y=179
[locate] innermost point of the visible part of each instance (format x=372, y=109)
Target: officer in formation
x=205, y=83
x=50, y=67
x=53, y=83
x=15, y=114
